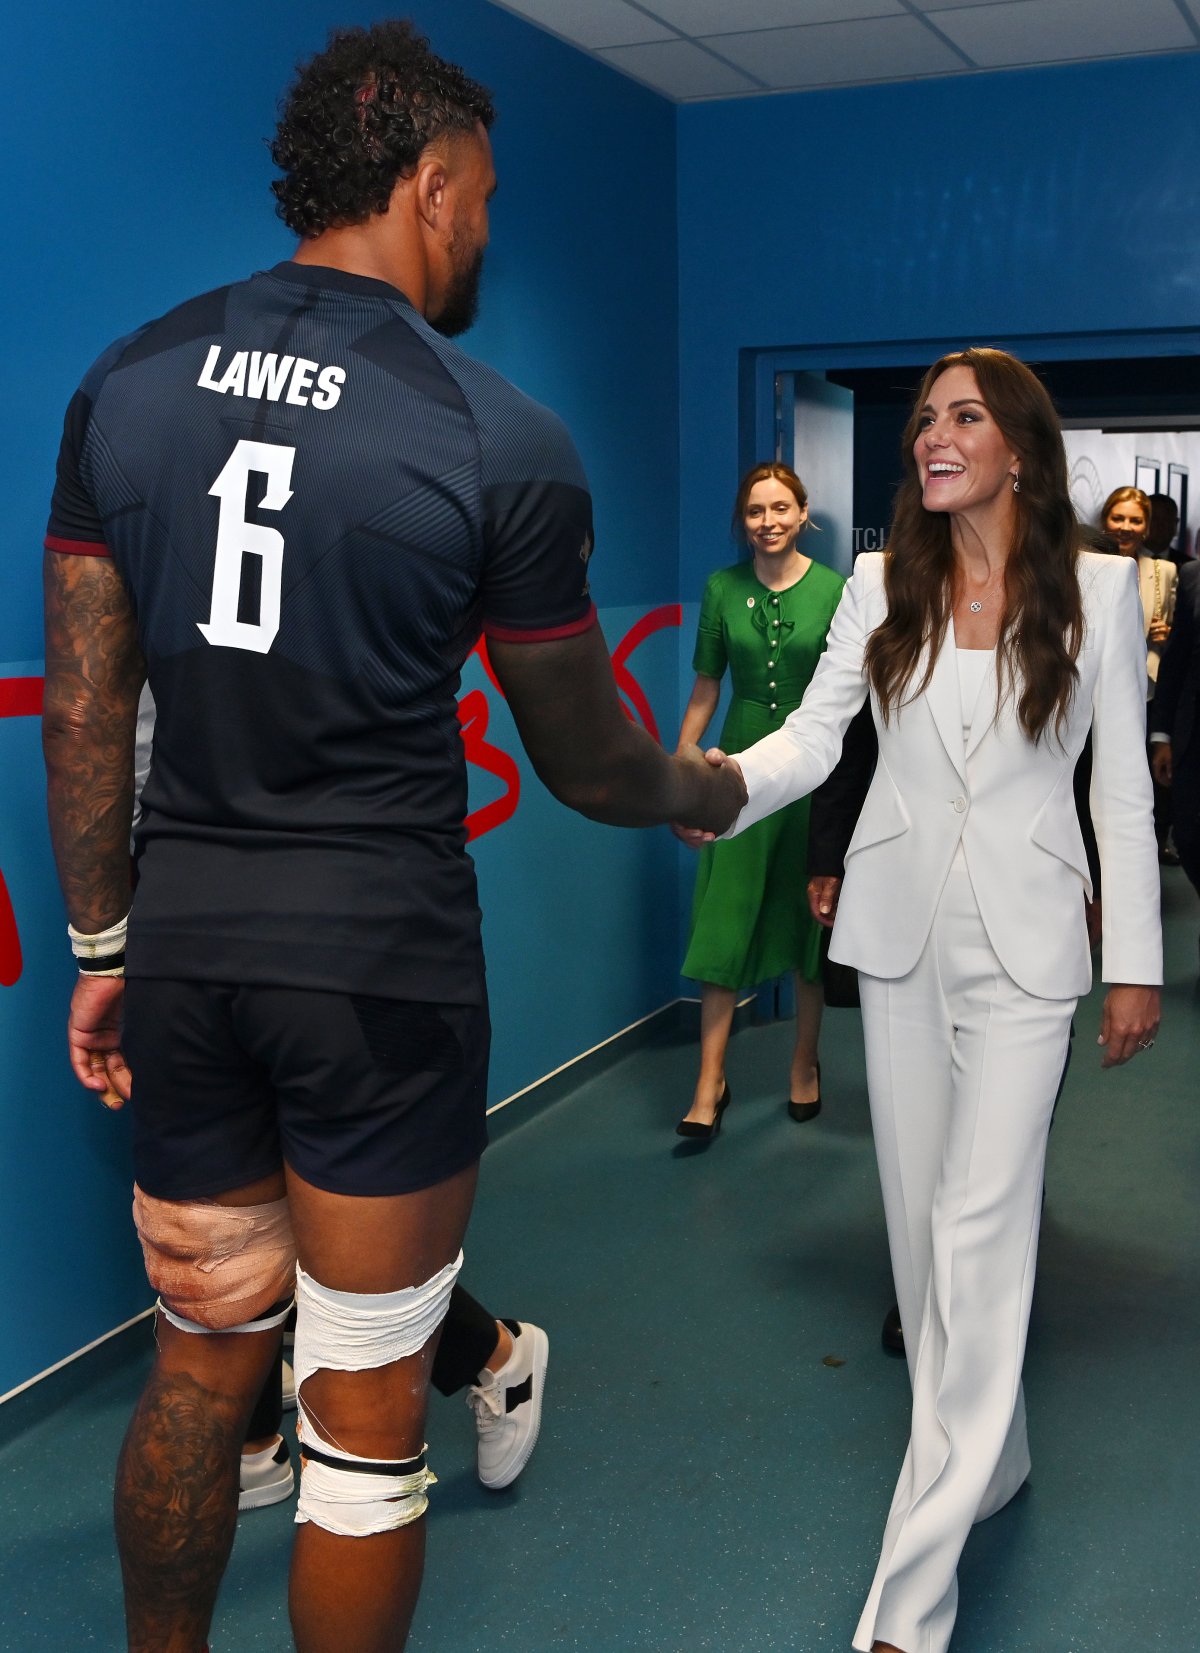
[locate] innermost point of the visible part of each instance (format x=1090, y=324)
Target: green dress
x=750, y=918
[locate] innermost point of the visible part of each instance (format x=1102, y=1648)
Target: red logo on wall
x=19, y=697
x=474, y=712
x=658, y=619
x=22, y=697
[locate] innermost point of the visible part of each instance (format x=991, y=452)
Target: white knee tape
x=264, y=1323
x=350, y=1331
x=354, y=1496
x=346, y=1331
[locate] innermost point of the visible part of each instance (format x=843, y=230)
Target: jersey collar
x=340, y=281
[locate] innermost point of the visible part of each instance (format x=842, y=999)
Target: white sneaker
x=508, y=1406
x=265, y=1477
x=289, y=1387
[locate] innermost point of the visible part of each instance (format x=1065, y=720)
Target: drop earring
x=1016, y=484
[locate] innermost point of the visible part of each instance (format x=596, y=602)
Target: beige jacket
x=1156, y=584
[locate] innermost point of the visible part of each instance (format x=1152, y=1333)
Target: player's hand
x=823, y=899
x=723, y=796
x=94, y=1039
x=1160, y=762
x=1128, y=1023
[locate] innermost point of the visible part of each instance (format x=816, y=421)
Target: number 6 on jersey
x=237, y=538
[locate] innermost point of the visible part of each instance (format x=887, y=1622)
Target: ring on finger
x=1145, y=1044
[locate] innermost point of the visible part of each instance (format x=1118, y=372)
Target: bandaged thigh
x=217, y=1268
x=345, y=1331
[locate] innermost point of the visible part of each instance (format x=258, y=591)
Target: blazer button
x=773, y=707
x=960, y=805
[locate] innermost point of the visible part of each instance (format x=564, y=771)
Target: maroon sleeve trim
x=77, y=548
x=545, y=634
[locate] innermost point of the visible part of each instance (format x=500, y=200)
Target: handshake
x=713, y=792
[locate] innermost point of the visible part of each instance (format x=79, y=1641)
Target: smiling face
x=1126, y=522
x=773, y=517
x=963, y=459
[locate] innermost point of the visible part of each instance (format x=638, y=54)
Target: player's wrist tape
x=102, y=954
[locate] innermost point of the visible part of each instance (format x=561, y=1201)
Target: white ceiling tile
x=886, y=48
x=783, y=44
x=594, y=24
x=1052, y=31
x=679, y=69
x=696, y=17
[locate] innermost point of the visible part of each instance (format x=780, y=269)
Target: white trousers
x=962, y=1067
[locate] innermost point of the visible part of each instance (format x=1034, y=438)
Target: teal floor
x=722, y=1431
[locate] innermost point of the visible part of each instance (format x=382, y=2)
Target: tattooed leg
x=177, y=1482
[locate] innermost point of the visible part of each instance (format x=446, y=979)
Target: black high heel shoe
x=705, y=1133
x=801, y=1112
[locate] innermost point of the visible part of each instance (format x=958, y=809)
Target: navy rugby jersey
x=317, y=504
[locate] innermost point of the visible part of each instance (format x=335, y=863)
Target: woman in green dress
x=767, y=620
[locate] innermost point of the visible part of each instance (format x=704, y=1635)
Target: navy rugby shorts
x=358, y=1095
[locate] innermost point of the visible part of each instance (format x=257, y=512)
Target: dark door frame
x=759, y=367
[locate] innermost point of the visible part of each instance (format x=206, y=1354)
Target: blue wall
x=624, y=285
x=138, y=174
x=970, y=210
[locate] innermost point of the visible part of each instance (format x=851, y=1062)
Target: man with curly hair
x=294, y=505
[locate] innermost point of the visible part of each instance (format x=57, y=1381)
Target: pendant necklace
x=975, y=605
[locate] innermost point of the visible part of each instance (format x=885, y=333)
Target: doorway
x=1142, y=386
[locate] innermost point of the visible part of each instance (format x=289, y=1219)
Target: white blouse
x=973, y=666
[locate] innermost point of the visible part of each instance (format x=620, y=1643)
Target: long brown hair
x=1042, y=627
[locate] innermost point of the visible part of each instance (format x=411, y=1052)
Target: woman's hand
x=823, y=899
x=1128, y=1022
x=1159, y=631
x=691, y=836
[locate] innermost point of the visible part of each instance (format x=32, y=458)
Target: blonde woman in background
x=1126, y=516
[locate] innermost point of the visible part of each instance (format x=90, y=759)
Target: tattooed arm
x=94, y=674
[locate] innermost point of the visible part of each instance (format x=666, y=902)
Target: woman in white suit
x=989, y=646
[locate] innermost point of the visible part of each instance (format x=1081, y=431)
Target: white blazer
x=1010, y=803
